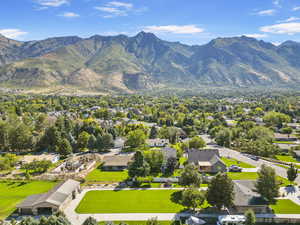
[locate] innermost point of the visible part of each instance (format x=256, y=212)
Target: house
x=168, y=153
x=295, y=126
x=157, y=142
x=284, y=137
x=246, y=198
x=52, y=201
x=116, y=162
x=297, y=154
x=208, y=160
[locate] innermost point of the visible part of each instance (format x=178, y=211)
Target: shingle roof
x=55, y=196
x=204, y=155
x=245, y=194
x=117, y=160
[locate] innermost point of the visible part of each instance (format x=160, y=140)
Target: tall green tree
x=220, y=191
x=90, y=221
x=135, y=139
x=138, y=167
x=266, y=184
x=292, y=173
x=192, y=198
x=197, y=143
x=190, y=176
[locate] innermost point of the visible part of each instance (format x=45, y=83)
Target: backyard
x=13, y=193
x=109, y=176
x=128, y=201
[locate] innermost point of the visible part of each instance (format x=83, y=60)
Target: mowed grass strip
x=231, y=161
x=285, y=206
x=287, y=158
x=109, y=176
x=13, y=193
x=128, y=201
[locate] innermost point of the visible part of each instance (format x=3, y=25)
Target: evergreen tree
x=292, y=173
x=138, y=167
x=90, y=221
x=250, y=217
x=190, y=176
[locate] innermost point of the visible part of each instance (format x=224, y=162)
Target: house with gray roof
x=207, y=160
x=116, y=162
x=246, y=198
x=54, y=200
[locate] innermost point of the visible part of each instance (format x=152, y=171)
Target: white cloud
x=282, y=28
x=267, y=12
x=290, y=19
x=256, y=35
x=296, y=8
x=116, y=8
x=12, y=33
x=70, y=15
x=121, y=4
x=175, y=29
x=52, y=3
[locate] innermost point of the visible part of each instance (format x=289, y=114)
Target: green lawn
x=243, y=175
x=128, y=201
x=110, y=176
x=13, y=193
x=231, y=161
x=286, y=158
x=285, y=206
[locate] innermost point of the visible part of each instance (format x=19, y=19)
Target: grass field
x=14, y=192
x=232, y=161
x=286, y=206
x=131, y=201
x=243, y=175
x=287, y=158
x=110, y=176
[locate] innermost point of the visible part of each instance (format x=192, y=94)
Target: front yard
x=287, y=158
x=231, y=161
x=13, y=193
x=128, y=201
x=285, y=206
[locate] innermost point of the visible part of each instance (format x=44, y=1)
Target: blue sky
x=187, y=21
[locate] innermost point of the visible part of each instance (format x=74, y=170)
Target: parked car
x=235, y=168
x=254, y=157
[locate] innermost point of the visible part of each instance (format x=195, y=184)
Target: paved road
x=226, y=152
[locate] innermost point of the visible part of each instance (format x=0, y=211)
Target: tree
x=190, y=176
x=107, y=141
x=276, y=119
x=92, y=142
x=220, y=191
x=135, y=139
x=170, y=166
x=155, y=160
x=192, y=198
x=65, y=147
x=292, y=173
x=266, y=184
x=90, y=221
x=152, y=221
x=250, y=217
x=21, y=137
x=138, y=167
x=197, y=142
x=153, y=132
x=287, y=130
x=260, y=132
x=4, y=135
x=224, y=137
x=83, y=139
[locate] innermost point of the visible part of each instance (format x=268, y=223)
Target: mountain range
x=145, y=62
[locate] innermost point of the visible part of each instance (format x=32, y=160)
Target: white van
x=231, y=220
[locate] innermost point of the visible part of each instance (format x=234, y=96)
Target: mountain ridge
x=144, y=61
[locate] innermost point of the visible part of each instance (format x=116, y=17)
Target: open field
x=109, y=176
x=233, y=161
x=129, y=201
x=243, y=175
x=285, y=206
x=14, y=192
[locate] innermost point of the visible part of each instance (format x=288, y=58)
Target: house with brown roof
x=116, y=162
x=54, y=200
x=208, y=160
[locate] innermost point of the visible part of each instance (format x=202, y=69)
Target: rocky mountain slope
x=126, y=64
